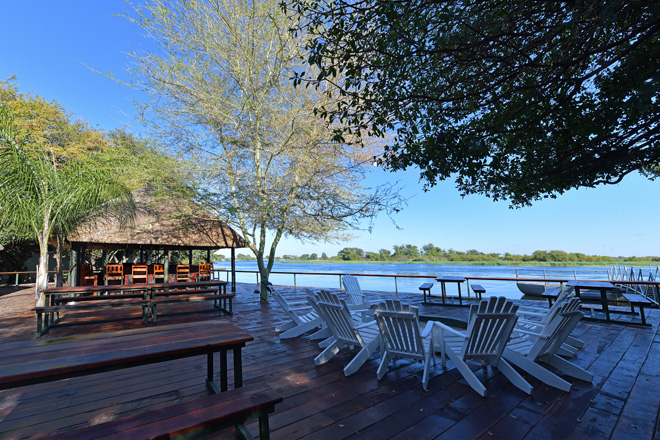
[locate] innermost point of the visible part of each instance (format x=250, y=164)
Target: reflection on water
x=503, y=288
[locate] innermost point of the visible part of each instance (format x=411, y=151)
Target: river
x=500, y=288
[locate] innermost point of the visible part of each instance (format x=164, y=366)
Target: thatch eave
x=165, y=224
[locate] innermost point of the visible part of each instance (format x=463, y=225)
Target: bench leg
x=39, y=323
x=224, y=383
x=153, y=312
x=246, y=434
x=264, y=430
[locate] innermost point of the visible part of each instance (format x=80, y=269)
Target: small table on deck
x=450, y=279
x=602, y=286
x=45, y=360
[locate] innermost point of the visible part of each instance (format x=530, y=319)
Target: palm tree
x=42, y=194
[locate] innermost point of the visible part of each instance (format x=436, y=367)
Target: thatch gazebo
x=158, y=225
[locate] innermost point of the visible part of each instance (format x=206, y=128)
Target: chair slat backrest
x=337, y=316
x=159, y=271
x=205, y=271
x=114, y=271
x=182, y=272
x=399, y=328
x=490, y=324
x=353, y=290
x=139, y=273
x=556, y=330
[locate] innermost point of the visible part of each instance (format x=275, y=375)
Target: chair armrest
x=530, y=323
x=526, y=332
x=438, y=326
x=526, y=313
x=366, y=324
x=427, y=329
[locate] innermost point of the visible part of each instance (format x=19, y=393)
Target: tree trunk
x=42, y=272
x=59, y=278
x=264, y=273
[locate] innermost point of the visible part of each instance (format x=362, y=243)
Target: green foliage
x=220, y=94
x=431, y=253
x=43, y=194
x=518, y=100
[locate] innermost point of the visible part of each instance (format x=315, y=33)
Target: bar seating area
x=129, y=273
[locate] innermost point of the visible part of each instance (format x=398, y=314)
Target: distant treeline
x=430, y=253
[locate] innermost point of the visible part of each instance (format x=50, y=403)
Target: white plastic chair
x=402, y=338
x=531, y=348
x=489, y=326
x=300, y=323
x=536, y=318
x=345, y=333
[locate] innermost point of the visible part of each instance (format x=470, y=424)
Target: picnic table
x=450, y=279
x=38, y=361
x=146, y=296
x=602, y=286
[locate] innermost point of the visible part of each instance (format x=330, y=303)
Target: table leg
x=238, y=368
x=460, y=300
x=444, y=291
x=603, y=298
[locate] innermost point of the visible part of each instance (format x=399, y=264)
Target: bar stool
x=140, y=274
x=114, y=272
x=204, y=272
x=182, y=273
x=159, y=272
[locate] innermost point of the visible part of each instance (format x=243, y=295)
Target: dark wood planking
x=319, y=399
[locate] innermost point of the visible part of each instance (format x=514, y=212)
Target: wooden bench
x=478, y=290
x=192, y=418
x=636, y=299
x=426, y=288
x=84, y=303
x=222, y=301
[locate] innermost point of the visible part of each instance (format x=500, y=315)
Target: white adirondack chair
x=300, y=323
x=536, y=318
x=528, y=350
x=402, y=338
x=357, y=300
x=345, y=333
x=354, y=292
x=489, y=326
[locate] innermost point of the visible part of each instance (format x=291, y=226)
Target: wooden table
x=450, y=279
x=118, y=295
x=45, y=360
x=602, y=286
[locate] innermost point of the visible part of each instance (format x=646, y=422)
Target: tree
x=518, y=100
x=43, y=194
x=220, y=94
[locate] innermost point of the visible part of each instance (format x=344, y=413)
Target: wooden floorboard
x=321, y=403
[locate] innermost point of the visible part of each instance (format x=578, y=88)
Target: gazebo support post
x=233, y=270
x=190, y=257
x=166, y=266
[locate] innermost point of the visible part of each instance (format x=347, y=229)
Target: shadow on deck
x=321, y=403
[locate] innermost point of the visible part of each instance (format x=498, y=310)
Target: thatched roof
x=159, y=224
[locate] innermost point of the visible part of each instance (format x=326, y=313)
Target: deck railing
x=217, y=274
x=637, y=280
x=16, y=276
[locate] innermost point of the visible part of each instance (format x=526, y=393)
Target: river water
x=430, y=271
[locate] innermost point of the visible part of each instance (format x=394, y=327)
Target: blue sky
x=49, y=44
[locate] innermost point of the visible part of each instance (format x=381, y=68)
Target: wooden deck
x=321, y=403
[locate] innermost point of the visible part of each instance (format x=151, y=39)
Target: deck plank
x=320, y=402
